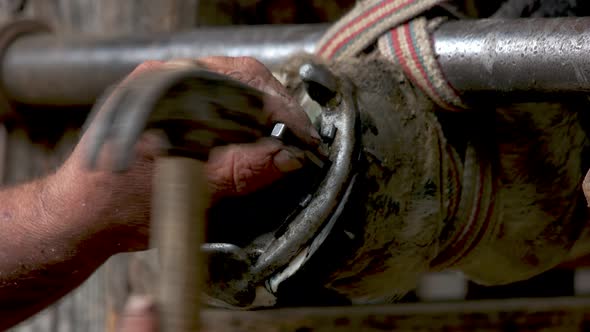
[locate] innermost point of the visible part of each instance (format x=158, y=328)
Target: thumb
x=241, y=169
x=139, y=315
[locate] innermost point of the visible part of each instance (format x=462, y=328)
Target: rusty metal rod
x=544, y=55
x=180, y=201
x=48, y=70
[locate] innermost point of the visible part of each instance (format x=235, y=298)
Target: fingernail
x=286, y=161
x=315, y=135
x=138, y=304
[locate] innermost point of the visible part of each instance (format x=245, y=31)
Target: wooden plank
x=115, y=17
x=523, y=315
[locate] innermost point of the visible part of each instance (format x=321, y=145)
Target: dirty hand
x=121, y=201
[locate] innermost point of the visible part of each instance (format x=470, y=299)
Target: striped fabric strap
x=402, y=38
x=410, y=47
x=365, y=23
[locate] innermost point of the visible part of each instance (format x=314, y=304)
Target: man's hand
x=121, y=202
x=57, y=230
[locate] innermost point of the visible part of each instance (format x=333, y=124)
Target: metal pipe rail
x=50, y=70
x=544, y=55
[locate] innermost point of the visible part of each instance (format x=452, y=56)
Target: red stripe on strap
x=400, y=56
x=398, y=52
x=363, y=29
x=419, y=65
x=354, y=21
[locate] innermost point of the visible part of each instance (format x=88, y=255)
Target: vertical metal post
x=179, y=207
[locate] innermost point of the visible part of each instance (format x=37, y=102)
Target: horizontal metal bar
x=545, y=55
x=50, y=70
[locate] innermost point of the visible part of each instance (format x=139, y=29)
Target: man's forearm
x=56, y=231
x=48, y=246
